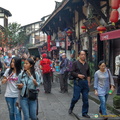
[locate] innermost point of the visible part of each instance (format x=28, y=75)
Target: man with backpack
x=64, y=74
x=45, y=64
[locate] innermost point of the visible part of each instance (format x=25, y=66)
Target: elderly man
x=63, y=74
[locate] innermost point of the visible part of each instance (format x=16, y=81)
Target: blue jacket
x=63, y=66
x=28, y=81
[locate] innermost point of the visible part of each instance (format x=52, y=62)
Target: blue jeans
x=29, y=108
x=14, y=112
x=103, y=100
x=80, y=86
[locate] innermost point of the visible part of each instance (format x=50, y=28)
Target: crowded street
x=55, y=106
x=60, y=60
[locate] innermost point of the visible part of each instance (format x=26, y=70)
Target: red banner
x=110, y=35
x=48, y=42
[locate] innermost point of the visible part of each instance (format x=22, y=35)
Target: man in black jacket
x=81, y=72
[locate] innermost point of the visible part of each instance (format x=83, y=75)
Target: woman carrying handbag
x=103, y=85
x=28, y=82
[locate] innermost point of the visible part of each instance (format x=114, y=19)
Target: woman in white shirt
x=11, y=94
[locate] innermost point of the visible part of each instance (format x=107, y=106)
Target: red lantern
x=114, y=16
x=101, y=29
x=69, y=32
x=115, y=4
x=84, y=28
x=48, y=42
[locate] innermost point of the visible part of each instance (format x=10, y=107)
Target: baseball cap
x=63, y=54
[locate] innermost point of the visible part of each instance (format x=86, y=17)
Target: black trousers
x=64, y=82
x=47, y=82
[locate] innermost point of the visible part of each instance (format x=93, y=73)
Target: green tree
x=14, y=35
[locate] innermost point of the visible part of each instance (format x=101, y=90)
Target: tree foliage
x=13, y=35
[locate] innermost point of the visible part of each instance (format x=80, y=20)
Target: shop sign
x=61, y=35
x=110, y=35
x=91, y=24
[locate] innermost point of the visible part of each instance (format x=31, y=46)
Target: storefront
x=111, y=42
x=90, y=42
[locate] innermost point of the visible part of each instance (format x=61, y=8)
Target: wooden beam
x=98, y=10
x=103, y=6
x=107, y=10
x=81, y=14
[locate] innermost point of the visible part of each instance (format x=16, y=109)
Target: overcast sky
x=28, y=11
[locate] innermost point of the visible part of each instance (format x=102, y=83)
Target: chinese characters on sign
x=92, y=24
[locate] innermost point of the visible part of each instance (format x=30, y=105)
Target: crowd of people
x=23, y=76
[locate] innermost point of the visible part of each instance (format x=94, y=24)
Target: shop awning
x=110, y=35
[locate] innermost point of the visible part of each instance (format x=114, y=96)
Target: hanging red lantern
x=114, y=16
x=115, y=4
x=83, y=28
x=101, y=29
x=69, y=32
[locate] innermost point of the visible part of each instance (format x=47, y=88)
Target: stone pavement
x=113, y=114
x=55, y=106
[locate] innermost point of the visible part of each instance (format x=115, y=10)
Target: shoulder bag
x=32, y=93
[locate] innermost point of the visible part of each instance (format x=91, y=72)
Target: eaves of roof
x=6, y=11
x=55, y=12
x=30, y=24
x=37, y=45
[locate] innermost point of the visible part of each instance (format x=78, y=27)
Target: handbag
x=32, y=94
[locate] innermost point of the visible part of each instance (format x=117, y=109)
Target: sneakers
x=86, y=115
x=70, y=111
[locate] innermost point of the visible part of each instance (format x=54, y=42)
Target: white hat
x=63, y=54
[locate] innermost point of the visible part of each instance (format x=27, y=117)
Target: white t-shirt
x=11, y=89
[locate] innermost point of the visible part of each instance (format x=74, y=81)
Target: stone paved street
x=54, y=106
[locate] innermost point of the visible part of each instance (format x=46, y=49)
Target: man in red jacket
x=45, y=64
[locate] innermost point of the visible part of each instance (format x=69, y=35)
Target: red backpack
x=45, y=63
